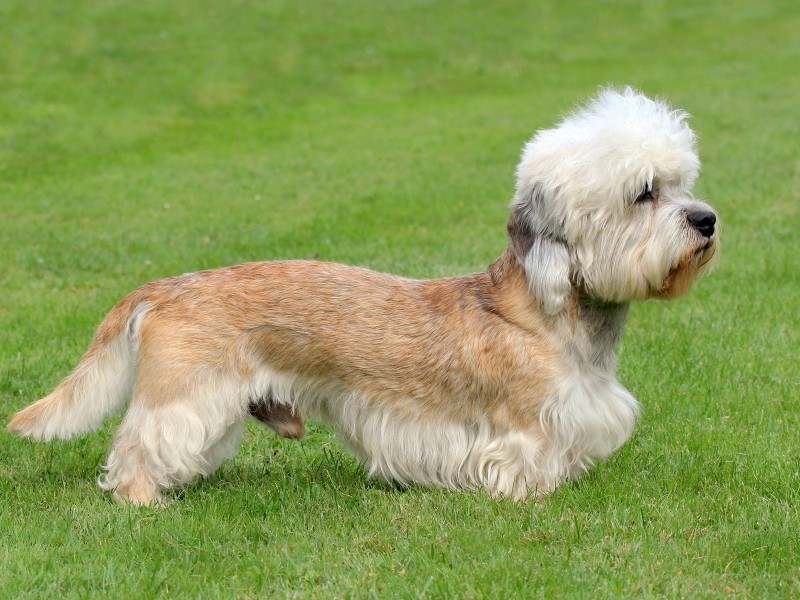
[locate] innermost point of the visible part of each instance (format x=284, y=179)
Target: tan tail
x=98, y=386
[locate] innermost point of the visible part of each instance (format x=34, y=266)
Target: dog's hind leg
x=169, y=442
x=278, y=417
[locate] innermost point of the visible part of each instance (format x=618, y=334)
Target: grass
x=148, y=139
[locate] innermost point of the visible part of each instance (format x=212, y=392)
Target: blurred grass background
x=141, y=140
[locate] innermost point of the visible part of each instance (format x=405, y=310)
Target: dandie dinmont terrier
x=502, y=380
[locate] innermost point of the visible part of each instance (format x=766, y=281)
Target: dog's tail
x=98, y=386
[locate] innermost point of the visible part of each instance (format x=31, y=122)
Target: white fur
x=453, y=455
x=576, y=183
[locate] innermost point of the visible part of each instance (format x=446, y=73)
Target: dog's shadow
x=270, y=473
x=326, y=470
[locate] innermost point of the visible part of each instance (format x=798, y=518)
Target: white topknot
x=580, y=186
x=618, y=138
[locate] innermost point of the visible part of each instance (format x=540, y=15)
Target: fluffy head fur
x=580, y=199
x=502, y=380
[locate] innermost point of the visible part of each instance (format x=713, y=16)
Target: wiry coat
x=502, y=380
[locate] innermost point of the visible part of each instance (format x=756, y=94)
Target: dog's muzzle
x=703, y=221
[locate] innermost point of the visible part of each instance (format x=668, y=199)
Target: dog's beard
x=638, y=268
x=696, y=263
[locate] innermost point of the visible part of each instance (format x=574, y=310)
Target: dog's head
x=604, y=203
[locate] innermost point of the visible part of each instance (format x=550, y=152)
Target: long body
x=438, y=381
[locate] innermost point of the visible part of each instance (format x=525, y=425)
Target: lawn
x=141, y=140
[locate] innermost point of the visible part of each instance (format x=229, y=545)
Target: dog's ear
x=544, y=259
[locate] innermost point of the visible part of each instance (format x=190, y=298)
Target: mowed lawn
x=141, y=140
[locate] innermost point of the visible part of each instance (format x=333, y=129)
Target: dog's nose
x=703, y=221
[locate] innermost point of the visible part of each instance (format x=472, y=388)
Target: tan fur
x=681, y=277
x=63, y=396
x=419, y=347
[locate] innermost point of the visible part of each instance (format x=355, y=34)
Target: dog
x=502, y=380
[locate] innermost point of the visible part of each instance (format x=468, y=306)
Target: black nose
x=703, y=221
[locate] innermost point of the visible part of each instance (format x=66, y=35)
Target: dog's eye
x=645, y=196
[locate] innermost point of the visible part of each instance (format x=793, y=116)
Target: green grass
x=139, y=140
